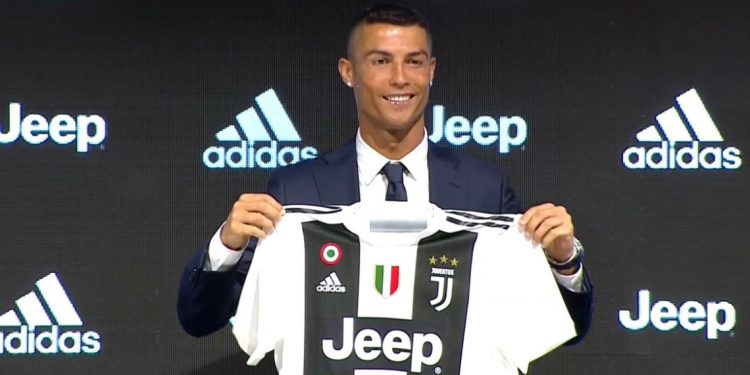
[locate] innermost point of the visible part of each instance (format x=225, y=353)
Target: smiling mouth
x=399, y=99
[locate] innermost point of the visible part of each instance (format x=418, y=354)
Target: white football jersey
x=399, y=289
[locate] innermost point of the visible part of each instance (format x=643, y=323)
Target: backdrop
x=127, y=129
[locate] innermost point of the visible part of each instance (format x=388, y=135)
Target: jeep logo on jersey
x=83, y=130
x=443, y=277
x=330, y=254
x=64, y=334
x=677, y=145
x=424, y=349
x=386, y=280
x=258, y=148
x=505, y=132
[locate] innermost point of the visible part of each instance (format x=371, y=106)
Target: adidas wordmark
x=258, y=148
x=678, y=148
x=41, y=333
x=331, y=284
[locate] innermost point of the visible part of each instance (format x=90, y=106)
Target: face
x=390, y=69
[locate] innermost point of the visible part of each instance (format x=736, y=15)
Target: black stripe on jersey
x=444, y=258
x=468, y=215
x=312, y=209
x=473, y=224
x=439, y=307
x=323, y=306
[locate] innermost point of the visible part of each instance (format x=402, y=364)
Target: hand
x=552, y=227
x=253, y=215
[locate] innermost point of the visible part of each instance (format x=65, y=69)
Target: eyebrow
x=386, y=53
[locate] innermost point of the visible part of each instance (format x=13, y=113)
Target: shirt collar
x=370, y=162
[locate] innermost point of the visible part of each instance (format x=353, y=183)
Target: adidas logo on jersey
x=696, y=145
x=331, y=284
x=258, y=148
x=48, y=306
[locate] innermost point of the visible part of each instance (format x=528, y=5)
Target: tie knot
x=394, y=172
x=396, y=191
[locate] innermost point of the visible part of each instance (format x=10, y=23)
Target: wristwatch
x=573, y=262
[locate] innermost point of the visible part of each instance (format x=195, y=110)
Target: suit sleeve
x=206, y=300
x=508, y=202
x=580, y=307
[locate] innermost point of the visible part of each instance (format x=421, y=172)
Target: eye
x=415, y=62
x=379, y=61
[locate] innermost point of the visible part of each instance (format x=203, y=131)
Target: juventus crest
x=442, y=272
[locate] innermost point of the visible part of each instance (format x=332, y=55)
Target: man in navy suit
x=390, y=67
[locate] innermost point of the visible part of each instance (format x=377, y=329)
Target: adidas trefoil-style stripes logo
x=331, y=284
x=34, y=312
x=257, y=147
x=47, y=306
x=253, y=127
x=673, y=152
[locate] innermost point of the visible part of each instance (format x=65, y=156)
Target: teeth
x=398, y=98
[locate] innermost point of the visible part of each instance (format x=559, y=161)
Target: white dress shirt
x=373, y=184
x=372, y=188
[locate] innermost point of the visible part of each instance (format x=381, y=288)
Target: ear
x=346, y=70
x=432, y=69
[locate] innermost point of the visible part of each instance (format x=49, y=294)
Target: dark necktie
x=396, y=190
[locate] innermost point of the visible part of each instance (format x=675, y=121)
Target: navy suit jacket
x=207, y=300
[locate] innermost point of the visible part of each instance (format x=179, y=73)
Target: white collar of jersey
x=412, y=217
x=402, y=223
x=370, y=162
x=394, y=223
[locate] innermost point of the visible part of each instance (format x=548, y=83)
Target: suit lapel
x=337, y=181
x=445, y=185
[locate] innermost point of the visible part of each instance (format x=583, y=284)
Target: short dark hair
x=390, y=14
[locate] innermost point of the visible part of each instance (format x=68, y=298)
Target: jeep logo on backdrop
x=501, y=133
x=83, y=131
x=711, y=318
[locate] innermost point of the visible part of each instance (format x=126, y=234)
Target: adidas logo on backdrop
x=258, y=149
x=697, y=145
x=331, y=284
x=50, y=307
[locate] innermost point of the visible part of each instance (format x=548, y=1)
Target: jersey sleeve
x=526, y=314
x=257, y=323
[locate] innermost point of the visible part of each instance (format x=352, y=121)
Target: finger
x=547, y=225
x=255, y=219
x=523, y=221
x=559, y=219
x=252, y=231
x=273, y=202
x=556, y=235
x=270, y=209
x=255, y=197
x=244, y=230
x=266, y=208
x=537, y=219
x=544, y=211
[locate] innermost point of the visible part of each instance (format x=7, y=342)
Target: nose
x=398, y=78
